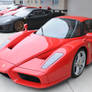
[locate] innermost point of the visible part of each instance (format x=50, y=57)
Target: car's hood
x=10, y=13
x=6, y=19
x=4, y=11
x=31, y=47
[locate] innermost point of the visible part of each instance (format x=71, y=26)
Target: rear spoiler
x=54, y=10
x=57, y=10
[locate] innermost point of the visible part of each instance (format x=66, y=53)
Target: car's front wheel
x=19, y=26
x=79, y=63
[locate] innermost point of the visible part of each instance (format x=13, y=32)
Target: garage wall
x=54, y=4
x=80, y=8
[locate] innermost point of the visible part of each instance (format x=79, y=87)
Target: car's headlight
x=4, y=44
x=52, y=60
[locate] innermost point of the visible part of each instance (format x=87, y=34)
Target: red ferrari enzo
x=58, y=50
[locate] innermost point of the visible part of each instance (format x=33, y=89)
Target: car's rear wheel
x=19, y=26
x=79, y=63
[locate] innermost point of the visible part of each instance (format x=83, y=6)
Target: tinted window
x=80, y=30
x=46, y=12
x=37, y=12
x=89, y=25
x=84, y=28
x=77, y=32
x=57, y=28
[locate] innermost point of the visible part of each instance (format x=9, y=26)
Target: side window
x=40, y=13
x=80, y=30
x=89, y=25
x=84, y=28
x=46, y=12
x=77, y=32
x=37, y=13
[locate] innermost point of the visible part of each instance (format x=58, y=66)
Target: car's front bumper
x=6, y=28
x=5, y=66
x=20, y=76
x=15, y=73
x=23, y=75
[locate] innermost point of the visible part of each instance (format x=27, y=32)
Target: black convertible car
x=34, y=17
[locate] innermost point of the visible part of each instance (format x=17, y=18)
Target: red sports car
x=13, y=8
x=58, y=50
x=14, y=12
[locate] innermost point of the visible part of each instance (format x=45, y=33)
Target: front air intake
x=6, y=75
x=29, y=78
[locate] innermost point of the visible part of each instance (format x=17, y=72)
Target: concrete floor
x=80, y=84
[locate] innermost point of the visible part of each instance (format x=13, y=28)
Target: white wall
x=17, y=1
x=61, y=4
x=80, y=8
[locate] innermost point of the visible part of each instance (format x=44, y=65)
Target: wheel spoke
x=79, y=56
x=19, y=26
x=81, y=68
x=77, y=70
x=79, y=63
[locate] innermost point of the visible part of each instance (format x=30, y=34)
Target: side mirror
x=26, y=27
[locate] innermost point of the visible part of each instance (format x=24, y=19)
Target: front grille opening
x=29, y=78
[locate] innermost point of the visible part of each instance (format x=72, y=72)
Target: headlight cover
x=4, y=44
x=52, y=60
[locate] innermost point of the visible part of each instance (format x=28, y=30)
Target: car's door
x=83, y=31
x=37, y=18
x=89, y=37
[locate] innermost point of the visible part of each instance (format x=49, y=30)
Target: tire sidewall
x=14, y=25
x=72, y=73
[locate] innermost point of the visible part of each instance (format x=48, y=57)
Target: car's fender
x=63, y=66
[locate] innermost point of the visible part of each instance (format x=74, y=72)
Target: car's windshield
x=23, y=13
x=57, y=28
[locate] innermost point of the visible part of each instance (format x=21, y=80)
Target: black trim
x=4, y=74
x=29, y=78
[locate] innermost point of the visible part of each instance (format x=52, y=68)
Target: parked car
x=34, y=17
x=9, y=9
x=4, y=6
x=14, y=12
x=18, y=10
x=58, y=50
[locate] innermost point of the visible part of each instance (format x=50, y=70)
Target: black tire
x=19, y=26
x=79, y=62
